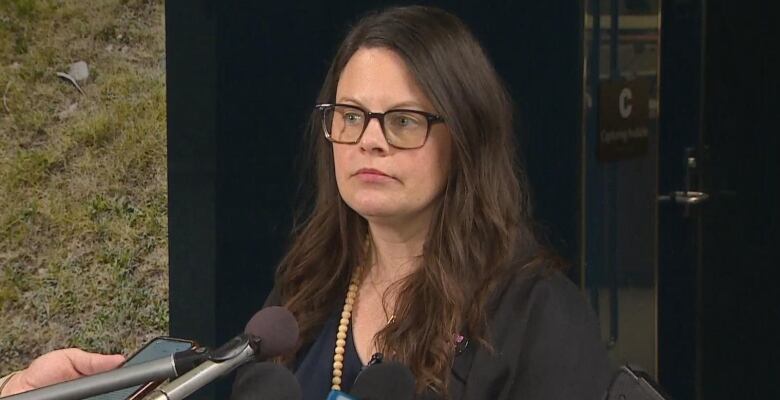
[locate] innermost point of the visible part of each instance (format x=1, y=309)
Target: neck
x=396, y=250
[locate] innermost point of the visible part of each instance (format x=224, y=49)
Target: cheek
x=341, y=168
x=339, y=161
x=442, y=155
x=436, y=165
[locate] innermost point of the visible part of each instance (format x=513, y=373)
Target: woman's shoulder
x=543, y=326
x=540, y=292
x=538, y=282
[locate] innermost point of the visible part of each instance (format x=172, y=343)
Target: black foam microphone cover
x=265, y=381
x=384, y=381
x=278, y=330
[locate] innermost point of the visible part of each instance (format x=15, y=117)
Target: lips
x=371, y=175
x=371, y=171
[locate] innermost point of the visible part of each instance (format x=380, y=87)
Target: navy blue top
x=314, y=368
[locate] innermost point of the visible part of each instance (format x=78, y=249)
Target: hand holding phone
x=155, y=349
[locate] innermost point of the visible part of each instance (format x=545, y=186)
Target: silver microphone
x=271, y=332
x=205, y=373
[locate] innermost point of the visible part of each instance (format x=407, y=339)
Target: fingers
x=92, y=363
x=102, y=363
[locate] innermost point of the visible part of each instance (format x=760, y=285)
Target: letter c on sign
x=625, y=105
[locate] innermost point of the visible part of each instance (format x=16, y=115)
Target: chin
x=376, y=212
x=373, y=209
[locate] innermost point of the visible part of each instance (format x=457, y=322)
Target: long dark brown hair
x=482, y=220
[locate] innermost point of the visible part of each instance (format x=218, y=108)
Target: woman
x=419, y=245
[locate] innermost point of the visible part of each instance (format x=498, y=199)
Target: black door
x=719, y=142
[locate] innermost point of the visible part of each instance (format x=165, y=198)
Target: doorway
x=679, y=225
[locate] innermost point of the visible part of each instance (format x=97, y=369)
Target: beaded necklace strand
x=341, y=335
x=346, y=317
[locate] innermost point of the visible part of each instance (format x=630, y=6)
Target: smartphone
x=157, y=348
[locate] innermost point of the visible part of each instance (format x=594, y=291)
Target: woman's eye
x=405, y=121
x=352, y=117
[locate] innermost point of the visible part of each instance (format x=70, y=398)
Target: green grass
x=83, y=196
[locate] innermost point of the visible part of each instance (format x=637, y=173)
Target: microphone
x=271, y=332
x=266, y=381
x=120, y=378
x=383, y=381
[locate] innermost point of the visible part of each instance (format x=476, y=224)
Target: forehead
x=378, y=78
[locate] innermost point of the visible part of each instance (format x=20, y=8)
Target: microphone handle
x=105, y=382
x=200, y=376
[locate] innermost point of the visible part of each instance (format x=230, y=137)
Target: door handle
x=689, y=198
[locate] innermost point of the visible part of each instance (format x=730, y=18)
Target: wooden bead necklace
x=346, y=317
x=341, y=335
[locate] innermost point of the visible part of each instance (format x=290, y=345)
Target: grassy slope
x=83, y=219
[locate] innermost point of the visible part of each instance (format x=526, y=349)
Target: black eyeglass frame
x=380, y=116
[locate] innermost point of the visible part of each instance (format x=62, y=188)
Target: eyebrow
x=403, y=104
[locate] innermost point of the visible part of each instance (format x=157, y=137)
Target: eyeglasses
x=403, y=129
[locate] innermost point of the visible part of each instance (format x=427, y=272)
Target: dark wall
x=242, y=77
x=192, y=168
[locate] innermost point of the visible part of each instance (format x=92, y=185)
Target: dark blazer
x=546, y=344
x=546, y=341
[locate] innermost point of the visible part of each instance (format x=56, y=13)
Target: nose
x=373, y=140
